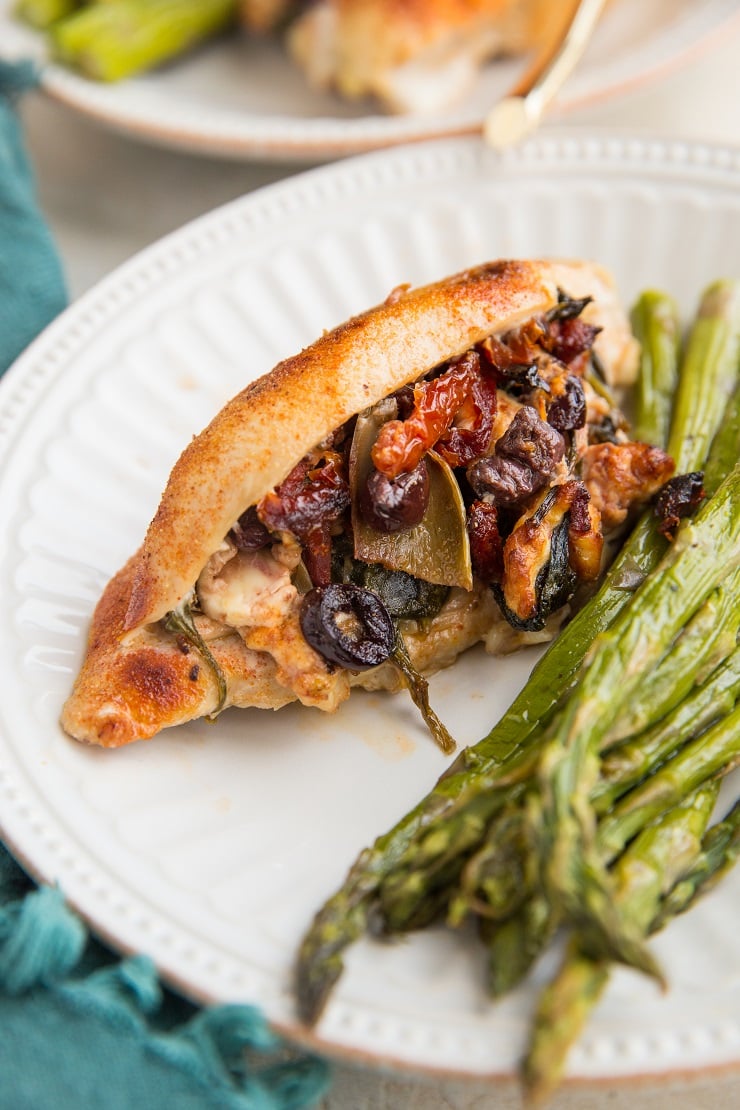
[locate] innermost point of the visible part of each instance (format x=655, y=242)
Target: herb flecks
x=418, y=688
x=180, y=622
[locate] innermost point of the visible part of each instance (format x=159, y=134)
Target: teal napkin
x=79, y=1028
x=32, y=288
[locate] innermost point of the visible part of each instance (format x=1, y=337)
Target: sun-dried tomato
x=249, y=533
x=401, y=444
x=317, y=554
x=523, y=342
x=486, y=545
x=560, y=333
x=469, y=436
x=569, y=338
x=306, y=504
x=511, y=353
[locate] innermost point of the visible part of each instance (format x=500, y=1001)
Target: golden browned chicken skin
x=146, y=668
x=414, y=55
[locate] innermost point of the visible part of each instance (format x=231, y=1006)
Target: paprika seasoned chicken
x=448, y=483
x=414, y=56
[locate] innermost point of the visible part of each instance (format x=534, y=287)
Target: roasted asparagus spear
x=500, y=762
x=658, y=859
x=117, y=39
x=43, y=13
x=656, y=324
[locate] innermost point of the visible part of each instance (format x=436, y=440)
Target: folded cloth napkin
x=79, y=1028
x=31, y=283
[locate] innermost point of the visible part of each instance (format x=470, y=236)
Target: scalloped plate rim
x=286, y=138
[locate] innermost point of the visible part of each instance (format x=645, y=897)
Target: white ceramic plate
x=211, y=846
x=245, y=99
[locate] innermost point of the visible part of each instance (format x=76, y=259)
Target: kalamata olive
x=568, y=410
x=571, y=338
x=394, y=504
x=678, y=498
x=249, y=533
x=530, y=440
x=505, y=481
x=347, y=625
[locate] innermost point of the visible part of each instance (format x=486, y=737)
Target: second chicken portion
x=417, y=56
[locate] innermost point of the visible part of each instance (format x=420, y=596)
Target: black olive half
x=249, y=533
x=348, y=625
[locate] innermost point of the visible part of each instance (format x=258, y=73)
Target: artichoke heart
x=543, y=580
x=437, y=549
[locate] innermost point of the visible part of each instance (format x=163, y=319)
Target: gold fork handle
x=520, y=112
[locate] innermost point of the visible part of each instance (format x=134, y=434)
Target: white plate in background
x=245, y=99
x=211, y=846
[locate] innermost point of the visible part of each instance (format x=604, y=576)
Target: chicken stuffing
x=619, y=475
x=513, y=457
x=252, y=592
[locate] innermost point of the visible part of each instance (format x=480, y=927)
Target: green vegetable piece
x=514, y=944
x=418, y=688
x=647, y=870
x=656, y=324
x=437, y=549
x=708, y=376
x=711, y=755
x=725, y=447
x=180, y=622
x=480, y=889
x=43, y=13
x=709, y=638
x=563, y=1009
x=117, y=39
x=706, y=549
x=405, y=597
x=553, y=586
x=719, y=854
x=437, y=861
x=495, y=881
x=624, y=766
x=502, y=762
